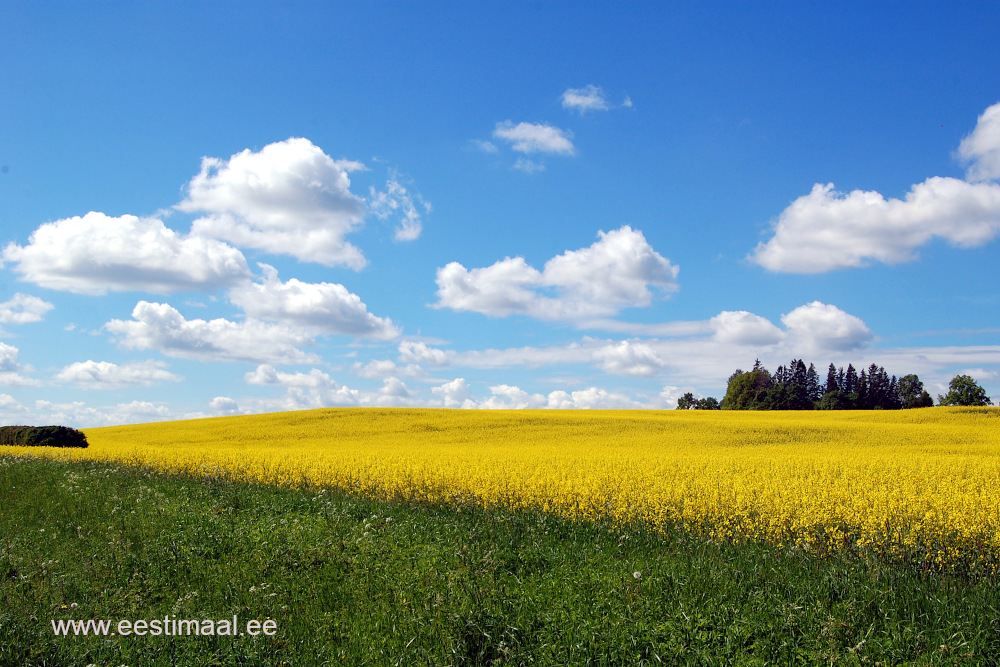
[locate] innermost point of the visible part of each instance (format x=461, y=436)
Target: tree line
x=42, y=436
x=800, y=387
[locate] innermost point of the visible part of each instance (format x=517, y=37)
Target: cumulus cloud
x=320, y=307
x=11, y=369
x=615, y=272
x=630, y=358
x=11, y=411
x=265, y=374
x=421, y=353
x=106, y=375
x=828, y=230
x=382, y=368
x=593, y=398
x=159, y=326
x=23, y=308
x=819, y=326
x=224, y=405
x=535, y=138
x=743, y=328
x=96, y=253
x=314, y=389
x=510, y=397
x=454, y=394
x=317, y=389
x=396, y=200
x=394, y=392
x=588, y=98
x=982, y=147
x=668, y=397
x=289, y=198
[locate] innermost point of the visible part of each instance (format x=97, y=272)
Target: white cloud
x=314, y=389
x=382, y=368
x=224, y=405
x=139, y=411
x=501, y=289
x=288, y=198
x=982, y=147
x=11, y=369
x=593, y=398
x=743, y=328
x=699, y=353
x=454, y=394
x=394, y=392
x=8, y=359
x=23, y=308
x=509, y=397
x=630, y=358
x=421, y=353
x=106, y=375
x=266, y=374
x=535, y=138
x=303, y=391
x=396, y=200
x=97, y=253
x=320, y=307
x=80, y=415
x=821, y=327
x=615, y=272
x=528, y=357
x=668, y=397
x=588, y=98
x=161, y=327
x=828, y=230
x=11, y=410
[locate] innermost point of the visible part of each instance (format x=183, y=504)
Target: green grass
x=356, y=582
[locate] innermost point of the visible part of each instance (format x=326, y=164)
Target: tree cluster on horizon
x=800, y=387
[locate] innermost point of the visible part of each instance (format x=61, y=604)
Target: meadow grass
x=351, y=580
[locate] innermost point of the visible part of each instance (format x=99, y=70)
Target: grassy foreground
x=353, y=581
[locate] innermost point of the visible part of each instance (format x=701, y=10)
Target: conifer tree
x=831, y=379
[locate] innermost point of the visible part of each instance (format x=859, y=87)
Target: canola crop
x=922, y=485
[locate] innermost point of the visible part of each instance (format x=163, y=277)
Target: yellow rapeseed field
x=924, y=483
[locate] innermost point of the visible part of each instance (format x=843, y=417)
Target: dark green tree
x=963, y=390
x=912, y=394
x=850, y=381
x=746, y=390
x=814, y=390
x=687, y=402
x=708, y=403
x=831, y=379
x=836, y=400
x=861, y=393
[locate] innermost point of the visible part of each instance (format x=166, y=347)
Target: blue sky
x=221, y=208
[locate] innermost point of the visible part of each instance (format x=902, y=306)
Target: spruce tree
x=851, y=380
x=831, y=379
